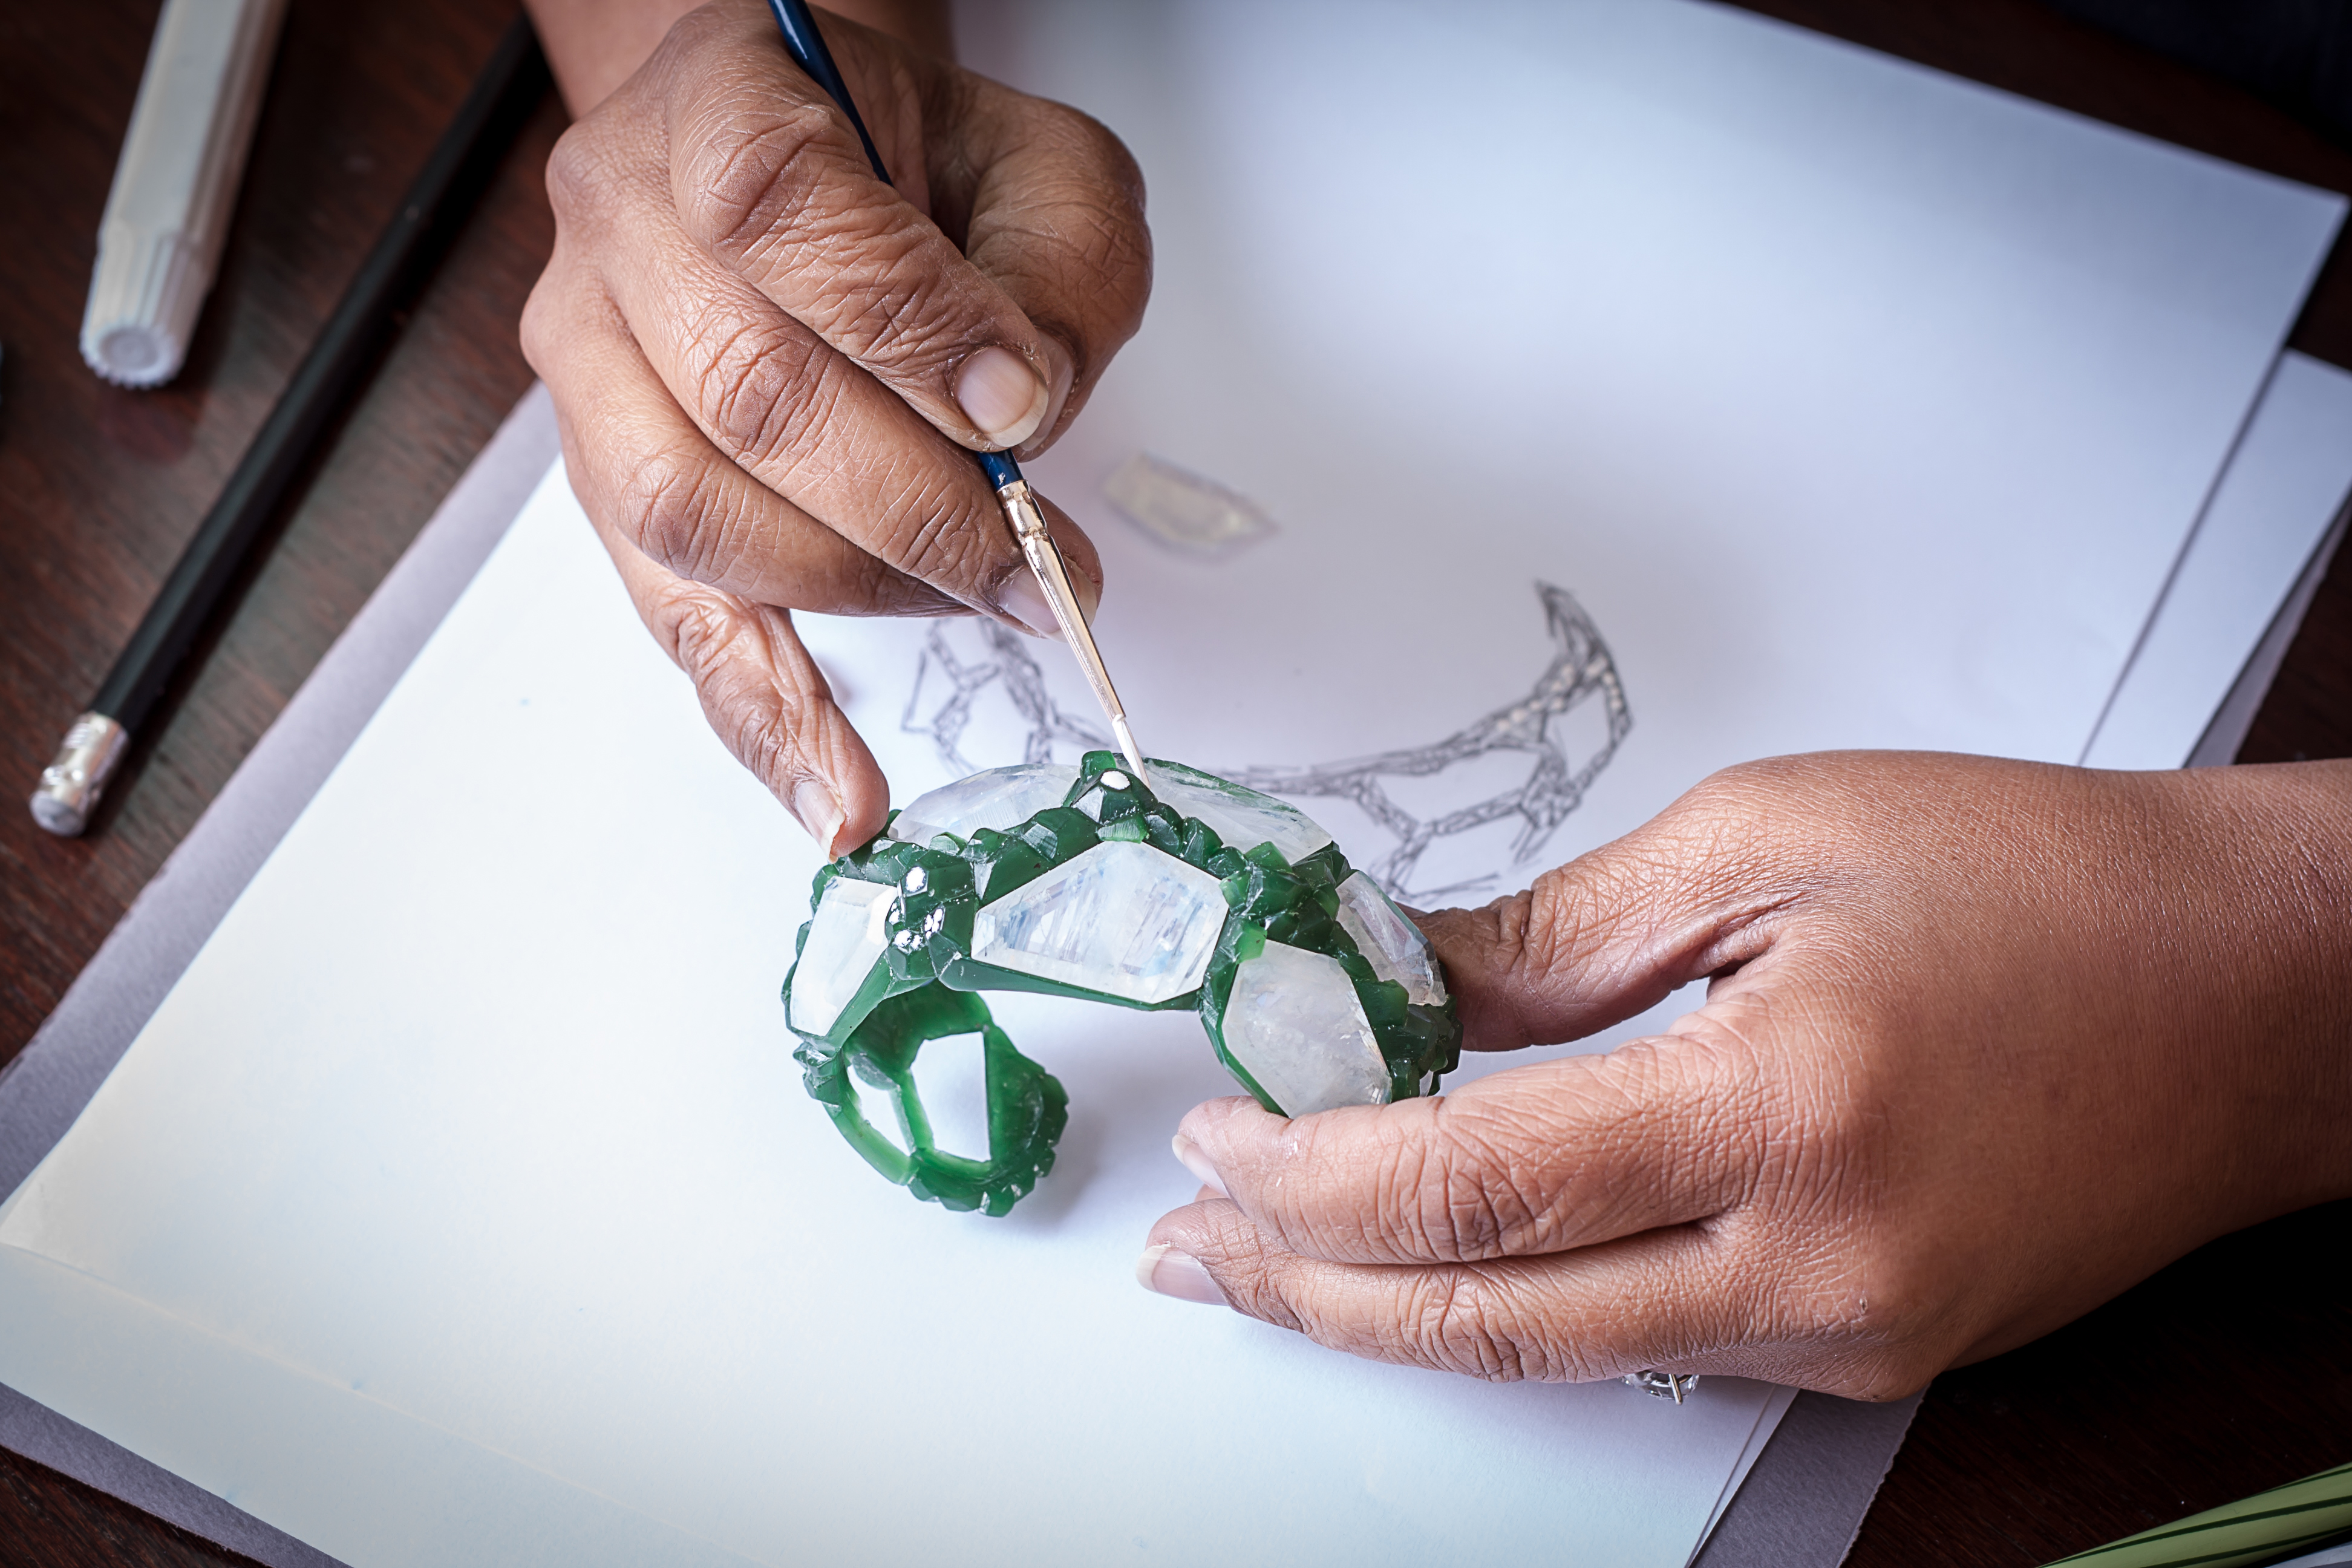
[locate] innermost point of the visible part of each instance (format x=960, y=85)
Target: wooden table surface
x=2226, y=1374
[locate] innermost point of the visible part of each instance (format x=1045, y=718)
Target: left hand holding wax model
x=1985, y=1043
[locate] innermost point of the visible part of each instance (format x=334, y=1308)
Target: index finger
x=770, y=181
x=1645, y=1302
x=1539, y=1159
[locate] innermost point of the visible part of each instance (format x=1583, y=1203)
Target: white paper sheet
x=2286, y=483
x=514, y=1153
x=1859, y=406
x=1855, y=406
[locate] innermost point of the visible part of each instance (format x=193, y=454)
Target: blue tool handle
x=806, y=46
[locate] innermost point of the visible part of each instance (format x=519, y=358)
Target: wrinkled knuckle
x=1447, y=1320
x=1255, y=1294
x=699, y=629
x=577, y=177
x=709, y=637
x=747, y=184
x=1459, y=1209
x=1730, y=803
x=674, y=508
x=909, y=315
x=1251, y=1285
x=1409, y=1203
x=1090, y=152
x=766, y=740
x=1534, y=943
x=759, y=387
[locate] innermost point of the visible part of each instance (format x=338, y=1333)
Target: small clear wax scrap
x=1182, y=509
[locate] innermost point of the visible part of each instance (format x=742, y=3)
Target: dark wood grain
x=99, y=487
x=2230, y=1372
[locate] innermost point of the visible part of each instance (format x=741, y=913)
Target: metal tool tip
x=76, y=776
x=1127, y=747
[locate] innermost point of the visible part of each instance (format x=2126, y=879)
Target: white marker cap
x=175, y=185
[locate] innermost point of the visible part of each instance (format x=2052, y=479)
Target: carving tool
x=1019, y=503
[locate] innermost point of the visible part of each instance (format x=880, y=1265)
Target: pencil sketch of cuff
x=1562, y=756
x=1581, y=672
x=955, y=685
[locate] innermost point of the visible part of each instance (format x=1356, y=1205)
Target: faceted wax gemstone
x=1391, y=944
x=1122, y=919
x=1243, y=818
x=995, y=797
x=1296, y=1026
x=845, y=940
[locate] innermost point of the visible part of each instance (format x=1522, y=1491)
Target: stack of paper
x=461, y=1202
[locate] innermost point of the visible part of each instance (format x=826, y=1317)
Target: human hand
x=1986, y=1043
x=771, y=369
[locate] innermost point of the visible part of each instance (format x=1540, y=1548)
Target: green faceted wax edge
x=922, y=986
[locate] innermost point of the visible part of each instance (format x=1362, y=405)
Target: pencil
x=95, y=745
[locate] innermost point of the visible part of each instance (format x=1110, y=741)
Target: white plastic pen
x=175, y=185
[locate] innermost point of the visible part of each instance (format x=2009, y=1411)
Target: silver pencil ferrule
x=74, y=780
x=1026, y=518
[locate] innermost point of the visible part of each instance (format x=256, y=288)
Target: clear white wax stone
x=845, y=940
x=1296, y=1026
x=1000, y=798
x=1121, y=919
x=1182, y=509
x=1391, y=944
x=1243, y=818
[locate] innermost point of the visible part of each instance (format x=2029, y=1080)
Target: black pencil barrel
x=507, y=89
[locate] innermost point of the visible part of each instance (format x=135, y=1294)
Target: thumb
x=1692, y=892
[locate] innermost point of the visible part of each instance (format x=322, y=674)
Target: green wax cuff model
x=2285, y=1521
x=1314, y=989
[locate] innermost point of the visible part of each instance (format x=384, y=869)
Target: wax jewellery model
x=1186, y=892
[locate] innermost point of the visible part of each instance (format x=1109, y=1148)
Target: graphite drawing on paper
x=1581, y=671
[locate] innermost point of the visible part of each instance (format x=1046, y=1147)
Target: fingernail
x=815, y=805
x=1025, y=602
x=1169, y=1272
x=1197, y=1161
x=1057, y=370
x=1089, y=594
x=1002, y=395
